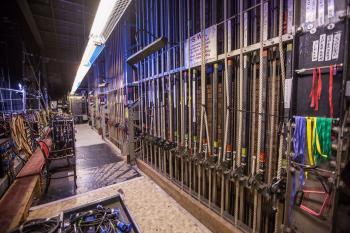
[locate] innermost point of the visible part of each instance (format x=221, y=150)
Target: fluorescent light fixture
x=89, y=50
x=82, y=70
x=104, y=11
x=96, y=41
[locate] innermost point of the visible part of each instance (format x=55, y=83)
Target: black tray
x=111, y=202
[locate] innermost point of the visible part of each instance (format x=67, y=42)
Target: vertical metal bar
x=261, y=121
x=189, y=103
x=202, y=20
x=227, y=84
x=194, y=119
x=163, y=114
x=215, y=109
x=182, y=90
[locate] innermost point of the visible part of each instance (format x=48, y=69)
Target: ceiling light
x=96, y=41
x=103, y=13
x=82, y=70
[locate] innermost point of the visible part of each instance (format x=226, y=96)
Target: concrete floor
x=98, y=164
x=153, y=210
x=102, y=173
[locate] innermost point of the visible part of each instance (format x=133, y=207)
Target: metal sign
x=53, y=104
x=196, y=48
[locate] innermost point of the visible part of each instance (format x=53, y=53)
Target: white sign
x=336, y=45
x=196, y=47
x=290, y=16
x=287, y=92
x=329, y=47
x=330, y=10
x=265, y=20
x=314, y=50
x=53, y=104
x=322, y=46
x=320, y=12
x=229, y=31
x=310, y=10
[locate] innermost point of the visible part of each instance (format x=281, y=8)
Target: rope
x=309, y=132
x=299, y=153
x=240, y=103
x=260, y=107
x=316, y=89
x=322, y=144
x=280, y=47
x=283, y=76
x=18, y=135
x=299, y=140
x=330, y=90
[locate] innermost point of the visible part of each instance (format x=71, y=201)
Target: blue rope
x=299, y=142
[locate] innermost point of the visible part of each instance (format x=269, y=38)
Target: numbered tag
x=314, y=50
x=320, y=12
x=329, y=47
x=336, y=45
x=330, y=10
x=322, y=46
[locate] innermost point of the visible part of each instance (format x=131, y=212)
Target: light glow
x=82, y=70
x=104, y=10
x=89, y=50
x=96, y=41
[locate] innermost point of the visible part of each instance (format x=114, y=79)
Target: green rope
x=322, y=144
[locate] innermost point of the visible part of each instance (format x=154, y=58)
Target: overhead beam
x=53, y=59
x=72, y=3
x=61, y=54
x=36, y=7
x=27, y=13
x=65, y=35
x=82, y=7
x=53, y=18
x=58, y=20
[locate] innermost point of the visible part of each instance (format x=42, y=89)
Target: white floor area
x=85, y=136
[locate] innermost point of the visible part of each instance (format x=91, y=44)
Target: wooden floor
x=152, y=208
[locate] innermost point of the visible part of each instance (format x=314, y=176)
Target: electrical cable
x=50, y=225
x=101, y=219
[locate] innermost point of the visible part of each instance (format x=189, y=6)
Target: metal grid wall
x=216, y=104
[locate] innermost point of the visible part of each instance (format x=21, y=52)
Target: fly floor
x=97, y=166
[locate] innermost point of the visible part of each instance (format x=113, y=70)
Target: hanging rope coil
x=19, y=136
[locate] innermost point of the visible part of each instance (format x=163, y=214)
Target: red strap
x=312, y=92
x=319, y=88
x=44, y=148
x=330, y=91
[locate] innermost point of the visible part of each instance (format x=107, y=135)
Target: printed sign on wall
x=196, y=48
x=326, y=48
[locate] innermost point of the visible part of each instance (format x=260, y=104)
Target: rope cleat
x=278, y=187
x=237, y=173
x=259, y=185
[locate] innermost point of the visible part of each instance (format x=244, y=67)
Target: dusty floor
x=152, y=208
x=98, y=164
